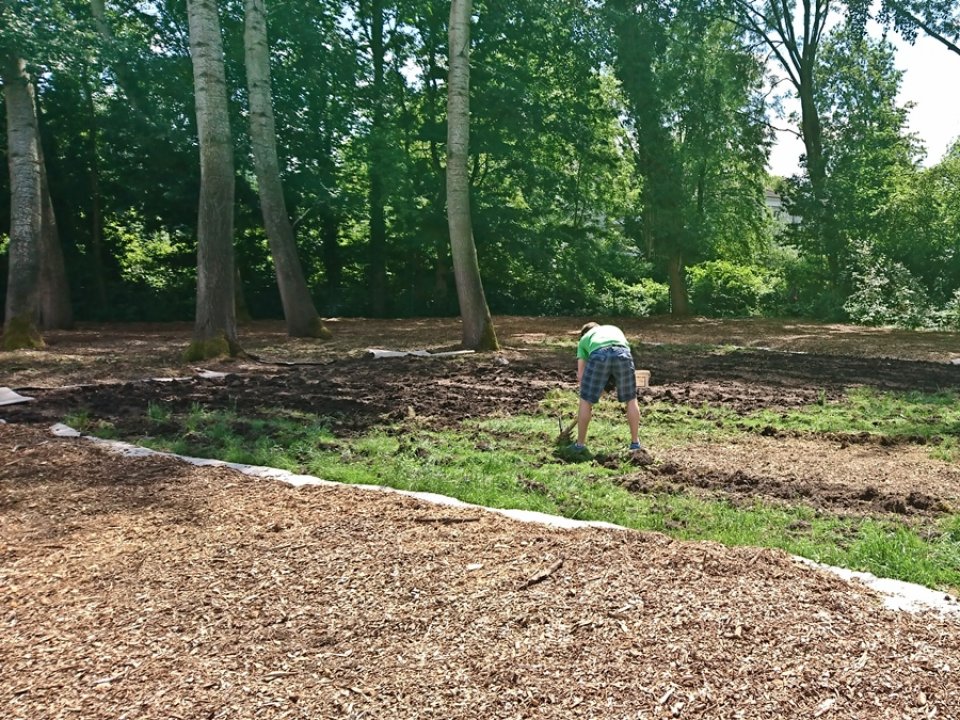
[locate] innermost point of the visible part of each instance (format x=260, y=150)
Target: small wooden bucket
x=643, y=378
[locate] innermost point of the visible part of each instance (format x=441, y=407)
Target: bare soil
x=148, y=588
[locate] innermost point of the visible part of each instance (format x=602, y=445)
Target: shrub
x=724, y=289
x=886, y=293
x=948, y=318
x=642, y=299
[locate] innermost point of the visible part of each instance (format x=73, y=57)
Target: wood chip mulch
x=147, y=588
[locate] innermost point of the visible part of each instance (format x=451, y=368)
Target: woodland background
x=617, y=158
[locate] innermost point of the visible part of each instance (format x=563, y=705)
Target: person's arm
x=581, y=364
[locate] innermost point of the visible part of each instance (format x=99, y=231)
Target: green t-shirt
x=600, y=337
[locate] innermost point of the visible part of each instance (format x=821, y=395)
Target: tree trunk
x=378, y=221
x=298, y=309
x=478, y=330
x=126, y=76
x=55, y=310
x=26, y=210
x=96, y=203
x=812, y=131
x=330, y=247
x=679, y=298
x=640, y=48
x=215, y=329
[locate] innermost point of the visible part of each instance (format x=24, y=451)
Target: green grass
x=933, y=417
x=513, y=462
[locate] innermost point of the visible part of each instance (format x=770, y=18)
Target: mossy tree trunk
x=215, y=328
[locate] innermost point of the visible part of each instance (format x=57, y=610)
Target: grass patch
x=933, y=418
x=82, y=420
x=512, y=462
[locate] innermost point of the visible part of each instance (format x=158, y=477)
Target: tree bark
x=378, y=221
x=298, y=308
x=215, y=328
x=96, y=203
x=55, y=310
x=679, y=297
x=26, y=209
x=478, y=330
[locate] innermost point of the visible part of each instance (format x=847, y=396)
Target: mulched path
x=148, y=588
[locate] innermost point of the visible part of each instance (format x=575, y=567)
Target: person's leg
x=584, y=413
x=625, y=374
x=633, y=420
x=594, y=377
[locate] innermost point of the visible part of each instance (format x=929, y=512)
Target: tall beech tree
x=478, y=330
x=39, y=35
x=55, y=310
x=377, y=166
x=298, y=308
x=26, y=209
x=642, y=36
x=794, y=33
x=215, y=328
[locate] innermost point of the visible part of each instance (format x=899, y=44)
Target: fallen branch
x=446, y=520
x=278, y=674
x=542, y=575
x=378, y=353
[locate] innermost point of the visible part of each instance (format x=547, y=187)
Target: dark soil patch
x=746, y=488
x=356, y=393
x=361, y=392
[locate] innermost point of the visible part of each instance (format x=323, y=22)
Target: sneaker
x=576, y=448
x=636, y=446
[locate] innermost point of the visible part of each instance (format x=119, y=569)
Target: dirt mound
x=839, y=477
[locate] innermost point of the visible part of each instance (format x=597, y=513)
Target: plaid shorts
x=615, y=361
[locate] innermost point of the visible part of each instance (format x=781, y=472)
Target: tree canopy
x=616, y=160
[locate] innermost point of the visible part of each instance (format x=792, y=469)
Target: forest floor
x=149, y=588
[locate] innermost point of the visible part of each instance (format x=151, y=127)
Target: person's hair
x=588, y=327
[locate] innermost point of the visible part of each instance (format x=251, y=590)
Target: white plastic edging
x=897, y=595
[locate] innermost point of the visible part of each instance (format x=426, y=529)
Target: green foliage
x=948, y=318
x=886, y=293
x=806, y=290
x=149, y=258
x=588, y=147
x=925, y=219
x=158, y=413
x=934, y=417
x=641, y=299
x=724, y=289
x=870, y=158
x=84, y=422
